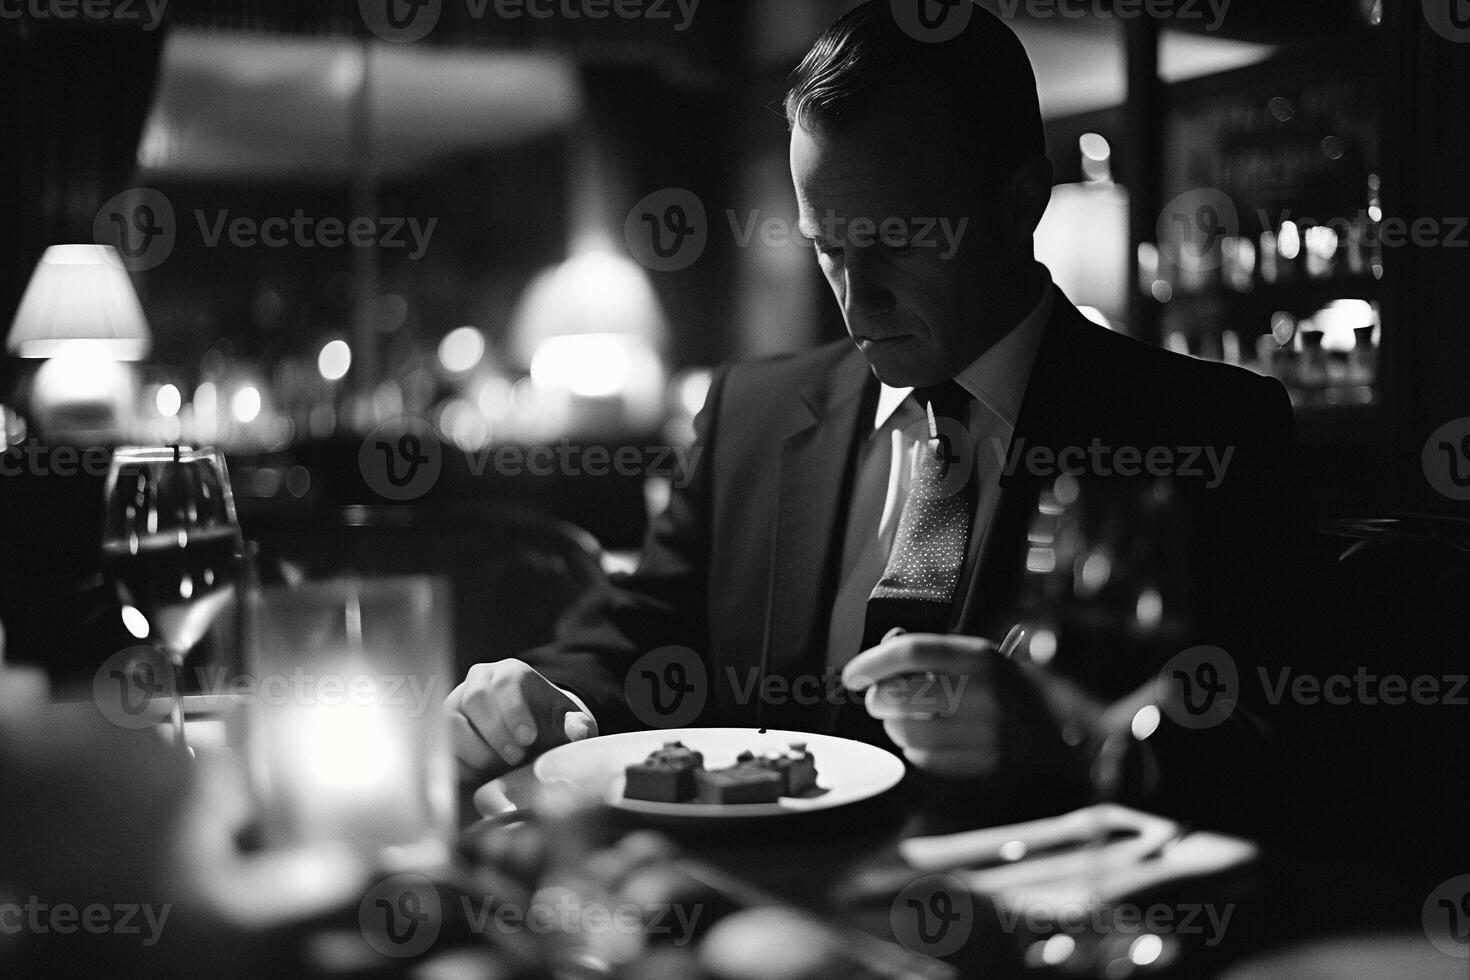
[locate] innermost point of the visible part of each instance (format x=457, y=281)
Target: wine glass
x=1105, y=599
x=171, y=546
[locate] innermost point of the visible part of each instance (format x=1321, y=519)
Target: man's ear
x=1027, y=194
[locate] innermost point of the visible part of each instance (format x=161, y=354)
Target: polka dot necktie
x=917, y=588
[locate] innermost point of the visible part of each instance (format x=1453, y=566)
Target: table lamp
x=80, y=293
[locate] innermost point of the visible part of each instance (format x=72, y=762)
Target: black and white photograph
x=735, y=489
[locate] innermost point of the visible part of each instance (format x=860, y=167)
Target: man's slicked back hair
x=982, y=78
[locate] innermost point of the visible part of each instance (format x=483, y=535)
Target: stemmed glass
x=1105, y=600
x=171, y=546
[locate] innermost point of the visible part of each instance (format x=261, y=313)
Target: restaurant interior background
x=1222, y=189
x=1223, y=186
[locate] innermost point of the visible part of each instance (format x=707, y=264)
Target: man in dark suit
x=919, y=170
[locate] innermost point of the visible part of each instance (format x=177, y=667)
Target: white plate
x=847, y=771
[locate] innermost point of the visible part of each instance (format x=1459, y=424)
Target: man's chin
x=897, y=374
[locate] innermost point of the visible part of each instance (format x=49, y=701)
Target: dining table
x=92, y=811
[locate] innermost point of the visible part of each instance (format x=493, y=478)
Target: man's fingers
x=931, y=736
x=927, y=696
x=915, y=653
x=505, y=711
x=512, y=697
x=578, y=725
x=469, y=748
x=483, y=714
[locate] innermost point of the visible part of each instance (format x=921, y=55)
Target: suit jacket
x=741, y=567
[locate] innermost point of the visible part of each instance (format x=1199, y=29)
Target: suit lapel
x=816, y=461
x=993, y=566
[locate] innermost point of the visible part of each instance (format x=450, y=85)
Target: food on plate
x=676, y=774
x=796, y=767
x=738, y=784
x=666, y=776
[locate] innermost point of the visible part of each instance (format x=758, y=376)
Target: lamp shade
x=1083, y=240
x=80, y=293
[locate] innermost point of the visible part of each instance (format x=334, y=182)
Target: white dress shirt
x=997, y=380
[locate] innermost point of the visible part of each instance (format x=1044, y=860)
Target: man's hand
x=505, y=709
x=954, y=705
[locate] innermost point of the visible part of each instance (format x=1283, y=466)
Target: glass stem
x=176, y=710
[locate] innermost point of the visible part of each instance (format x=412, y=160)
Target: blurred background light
x=592, y=365
x=461, y=349
x=168, y=400
x=245, y=404
x=334, y=360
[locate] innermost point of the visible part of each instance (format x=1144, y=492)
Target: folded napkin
x=1098, y=855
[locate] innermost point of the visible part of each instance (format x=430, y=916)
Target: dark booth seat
x=513, y=572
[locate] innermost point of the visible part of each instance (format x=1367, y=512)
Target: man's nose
x=867, y=294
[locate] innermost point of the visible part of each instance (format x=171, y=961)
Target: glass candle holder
x=346, y=734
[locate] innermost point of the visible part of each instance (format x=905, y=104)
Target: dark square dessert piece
x=741, y=783
x=666, y=776
x=800, y=769
x=797, y=769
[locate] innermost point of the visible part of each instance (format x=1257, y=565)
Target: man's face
x=906, y=236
